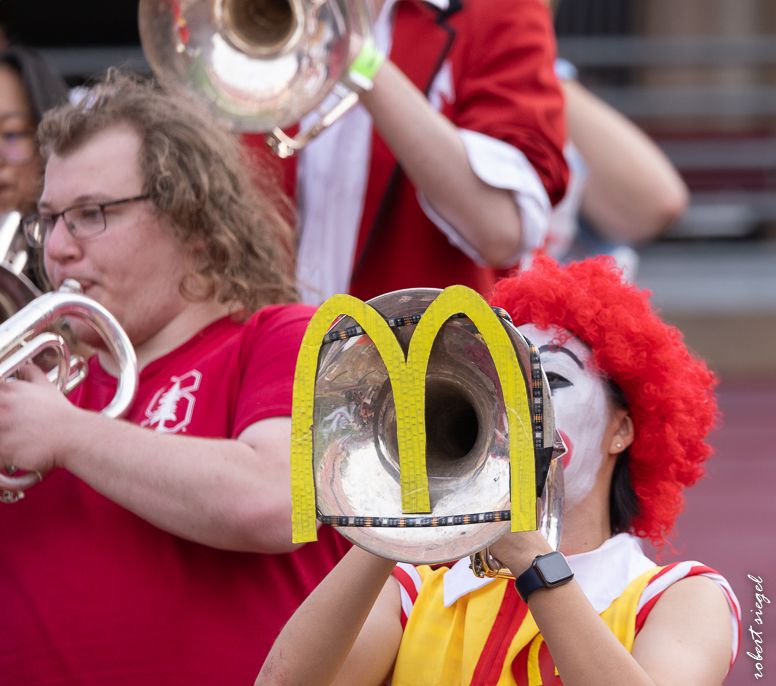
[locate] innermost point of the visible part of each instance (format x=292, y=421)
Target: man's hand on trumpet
x=36, y=422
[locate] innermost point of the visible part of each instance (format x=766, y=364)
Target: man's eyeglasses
x=84, y=220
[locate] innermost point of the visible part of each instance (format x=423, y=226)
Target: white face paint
x=580, y=403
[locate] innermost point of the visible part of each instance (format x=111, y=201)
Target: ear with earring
x=623, y=437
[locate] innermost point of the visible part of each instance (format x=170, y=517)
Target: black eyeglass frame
x=31, y=220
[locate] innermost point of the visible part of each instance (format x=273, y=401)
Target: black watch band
x=546, y=571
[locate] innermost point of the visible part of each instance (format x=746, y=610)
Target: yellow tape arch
x=457, y=299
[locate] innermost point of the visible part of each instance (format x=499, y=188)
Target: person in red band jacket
x=451, y=163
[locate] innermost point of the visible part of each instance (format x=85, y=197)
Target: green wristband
x=365, y=66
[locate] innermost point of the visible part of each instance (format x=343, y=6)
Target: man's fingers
x=32, y=373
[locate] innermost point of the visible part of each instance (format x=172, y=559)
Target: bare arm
x=432, y=154
x=687, y=636
x=686, y=642
x=633, y=192
x=229, y=494
x=347, y=631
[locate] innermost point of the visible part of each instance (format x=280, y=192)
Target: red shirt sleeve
x=268, y=358
x=508, y=89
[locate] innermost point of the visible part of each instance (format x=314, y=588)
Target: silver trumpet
x=355, y=451
x=29, y=332
x=260, y=64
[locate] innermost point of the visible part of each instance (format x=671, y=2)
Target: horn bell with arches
x=420, y=426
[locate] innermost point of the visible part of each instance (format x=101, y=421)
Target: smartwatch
x=546, y=571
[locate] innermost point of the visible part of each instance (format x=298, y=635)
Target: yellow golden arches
x=408, y=382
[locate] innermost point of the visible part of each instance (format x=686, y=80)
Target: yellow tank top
x=488, y=637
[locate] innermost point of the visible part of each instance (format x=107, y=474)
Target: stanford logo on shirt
x=171, y=407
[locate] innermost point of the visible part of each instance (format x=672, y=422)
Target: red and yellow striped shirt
x=472, y=632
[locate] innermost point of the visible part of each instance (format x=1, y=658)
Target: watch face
x=553, y=569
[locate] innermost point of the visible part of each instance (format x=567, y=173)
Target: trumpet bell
x=261, y=64
x=355, y=447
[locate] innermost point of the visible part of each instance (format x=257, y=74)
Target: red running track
x=729, y=519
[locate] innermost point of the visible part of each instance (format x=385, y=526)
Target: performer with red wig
x=634, y=407
x=650, y=372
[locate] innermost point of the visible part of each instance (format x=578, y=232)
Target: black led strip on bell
x=395, y=322
x=538, y=396
x=416, y=522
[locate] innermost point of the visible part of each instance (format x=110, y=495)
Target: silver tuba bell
x=355, y=449
x=29, y=332
x=261, y=64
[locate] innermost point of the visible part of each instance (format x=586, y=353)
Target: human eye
x=17, y=139
x=88, y=214
x=85, y=219
x=16, y=145
x=557, y=381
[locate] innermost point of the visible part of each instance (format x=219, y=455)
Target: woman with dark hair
x=28, y=88
x=634, y=408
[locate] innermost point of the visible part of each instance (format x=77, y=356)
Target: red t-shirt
x=92, y=594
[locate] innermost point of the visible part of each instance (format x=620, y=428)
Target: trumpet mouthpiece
x=70, y=286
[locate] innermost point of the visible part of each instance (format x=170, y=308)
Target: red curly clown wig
x=669, y=392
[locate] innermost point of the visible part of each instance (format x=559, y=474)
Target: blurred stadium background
x=700, y=77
